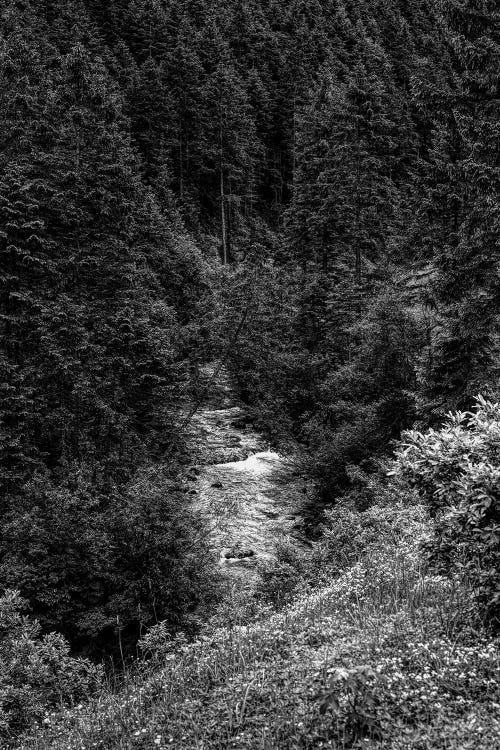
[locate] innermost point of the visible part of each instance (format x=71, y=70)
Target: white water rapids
x=252, y=494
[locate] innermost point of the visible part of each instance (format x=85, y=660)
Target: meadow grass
x=383, y=656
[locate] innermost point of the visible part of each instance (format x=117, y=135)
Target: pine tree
x=91, y=345
x=145, y=30
x=230, y=146
x=184, y=79
x=346, y=200
x=462, y=210
x=24, y=251
x=365, y=402
x=150, y=108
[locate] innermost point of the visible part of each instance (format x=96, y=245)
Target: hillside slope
x=382, y=656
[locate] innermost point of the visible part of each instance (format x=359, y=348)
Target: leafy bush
x=163, y=567
x=457, y=471
x=347, y=535
x=36, y=673
x=355, y=697
x=282, y=576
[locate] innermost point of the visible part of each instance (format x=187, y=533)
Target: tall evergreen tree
x=230, y=146
x=184, y=79
x=91, y=344
x=462, y=211
x=346, y=199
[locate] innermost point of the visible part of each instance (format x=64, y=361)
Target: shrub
x=347, y=536
x=354, y=697
x=457, y=470
x=36, y=673
x=164, y=568
x=281, y=577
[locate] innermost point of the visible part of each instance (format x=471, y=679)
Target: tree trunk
x=324, y=249
x=223, y=218
x=181, y=170
x=357, y=268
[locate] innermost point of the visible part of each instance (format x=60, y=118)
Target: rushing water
x=252, y=494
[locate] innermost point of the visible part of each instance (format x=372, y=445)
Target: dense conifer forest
x=300, y=196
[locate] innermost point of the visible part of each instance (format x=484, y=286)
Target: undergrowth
x=384, y=654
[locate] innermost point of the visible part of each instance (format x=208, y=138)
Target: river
x=252, y=494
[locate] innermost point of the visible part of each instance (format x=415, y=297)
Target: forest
x=302, y=197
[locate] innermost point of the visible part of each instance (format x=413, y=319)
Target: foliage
x=456, y=471
x=99, y=290
x=322, y=365
x=384, y=653
x=341, y=159
x=37, y=673
x=460, y=208
x=269, y=365
x=365, y=401
x=164, y=568
x=346, y=534
x=100, y=568
x=355, y=697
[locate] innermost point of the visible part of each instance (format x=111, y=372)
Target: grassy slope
x=382, y=656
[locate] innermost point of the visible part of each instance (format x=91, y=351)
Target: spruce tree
x=346, y=200
x=184, y=79
x=230, y=147
x=90, y=348
x=463, y=211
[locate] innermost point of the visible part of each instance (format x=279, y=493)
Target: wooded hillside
x=308, y=190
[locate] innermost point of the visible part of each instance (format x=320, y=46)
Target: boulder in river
x=238, y=554
x=242, y=423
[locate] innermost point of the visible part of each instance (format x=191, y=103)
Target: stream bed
x=252, y=495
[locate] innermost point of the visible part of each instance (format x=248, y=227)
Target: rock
x=269, y=513
x=239, y=554
x=193, y=492
x=241, y=424
x=217, y=485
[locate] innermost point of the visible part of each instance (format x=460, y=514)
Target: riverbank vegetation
x=363, y=643
x=306, y=195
